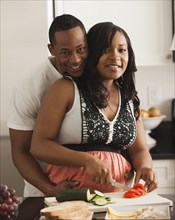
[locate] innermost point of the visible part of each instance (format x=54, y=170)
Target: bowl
x=150, y=123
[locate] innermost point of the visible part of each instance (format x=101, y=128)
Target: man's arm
x=28, y=167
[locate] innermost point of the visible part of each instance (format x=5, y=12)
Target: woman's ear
x=51, y=49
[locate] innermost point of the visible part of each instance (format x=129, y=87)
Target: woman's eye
x=122, y=50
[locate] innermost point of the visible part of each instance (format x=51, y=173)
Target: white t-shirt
x=25, y=102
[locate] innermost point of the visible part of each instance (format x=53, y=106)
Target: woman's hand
x=149, y=176
x=98, y=170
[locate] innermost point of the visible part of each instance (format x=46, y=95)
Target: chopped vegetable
x=101, y=201
x=73, y=194
x=137, y=191
x=99, y=193
x=139, y=186
x=83, y=194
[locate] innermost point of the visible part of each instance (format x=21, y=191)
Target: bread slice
x=85, y=216
x=74, y=208
x=78, y=214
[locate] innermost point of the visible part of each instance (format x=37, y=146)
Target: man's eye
x=64, y=53
x=82, y=49
x=107, y=50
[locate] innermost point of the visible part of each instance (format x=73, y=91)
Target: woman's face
x=113, y=62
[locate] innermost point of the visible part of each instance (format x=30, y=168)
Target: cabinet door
x=165, y=170
x=148, y=23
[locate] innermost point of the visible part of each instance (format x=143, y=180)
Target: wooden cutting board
x=118, y=200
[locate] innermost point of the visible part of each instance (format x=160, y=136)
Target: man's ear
x=51, y=49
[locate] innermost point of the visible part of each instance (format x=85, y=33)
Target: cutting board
x=117, y=199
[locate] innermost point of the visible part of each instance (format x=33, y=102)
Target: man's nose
x=74, y=58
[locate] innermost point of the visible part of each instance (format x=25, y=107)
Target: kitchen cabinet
x=165, y=170
x=148, y=24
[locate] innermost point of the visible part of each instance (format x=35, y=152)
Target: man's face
x=70, y=51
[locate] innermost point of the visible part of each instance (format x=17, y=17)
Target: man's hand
x=61, y=186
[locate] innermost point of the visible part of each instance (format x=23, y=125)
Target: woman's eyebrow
x=122, y=44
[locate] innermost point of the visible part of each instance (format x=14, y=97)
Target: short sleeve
x=22, y=112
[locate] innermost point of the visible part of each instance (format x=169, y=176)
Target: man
x=68, y=48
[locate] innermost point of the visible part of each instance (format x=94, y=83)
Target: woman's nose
x=115, y=54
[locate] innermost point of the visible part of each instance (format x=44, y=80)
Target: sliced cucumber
x=95, y=197
x=89, y=196
x=73, y=194
x=108, y=198
x=83, y=194
x=98, y=193
x=101, y=201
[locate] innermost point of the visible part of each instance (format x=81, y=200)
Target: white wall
x=24, y=38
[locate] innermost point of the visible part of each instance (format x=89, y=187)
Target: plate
x=144, y=212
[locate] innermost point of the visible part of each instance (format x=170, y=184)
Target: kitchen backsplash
x=156, y=87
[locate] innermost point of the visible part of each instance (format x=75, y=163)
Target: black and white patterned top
x=97, y=129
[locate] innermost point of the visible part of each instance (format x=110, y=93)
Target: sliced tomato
x=142, y=192
x=139, y=186
x=135, y=191
x=130, y=195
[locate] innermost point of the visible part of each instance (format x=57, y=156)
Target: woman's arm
x=141, y=159
x=56, y=103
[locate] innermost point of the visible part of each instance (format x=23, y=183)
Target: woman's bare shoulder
x=63, y=82
x=62, y=85
x=61, y=93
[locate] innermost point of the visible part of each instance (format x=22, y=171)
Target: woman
x=82, y=133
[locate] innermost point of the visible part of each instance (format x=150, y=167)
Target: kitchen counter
x=165, y=147
x=29, y=208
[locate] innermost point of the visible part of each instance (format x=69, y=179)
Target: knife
x=119, y=185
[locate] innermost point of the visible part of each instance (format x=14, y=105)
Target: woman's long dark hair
x=99, y=38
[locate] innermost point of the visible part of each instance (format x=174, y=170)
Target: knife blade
x=119, y=185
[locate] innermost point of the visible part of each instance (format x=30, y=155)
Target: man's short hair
x=62, y=23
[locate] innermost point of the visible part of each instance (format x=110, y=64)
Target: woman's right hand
x=98, y=170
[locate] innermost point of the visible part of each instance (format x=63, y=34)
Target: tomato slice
x=139, y=186
x=136, y=192
x=142, y=192
x=130, y=195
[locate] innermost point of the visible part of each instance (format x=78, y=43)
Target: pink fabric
x=119, y=167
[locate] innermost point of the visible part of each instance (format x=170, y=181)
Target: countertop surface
x=30, y=207
x=165, y=147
